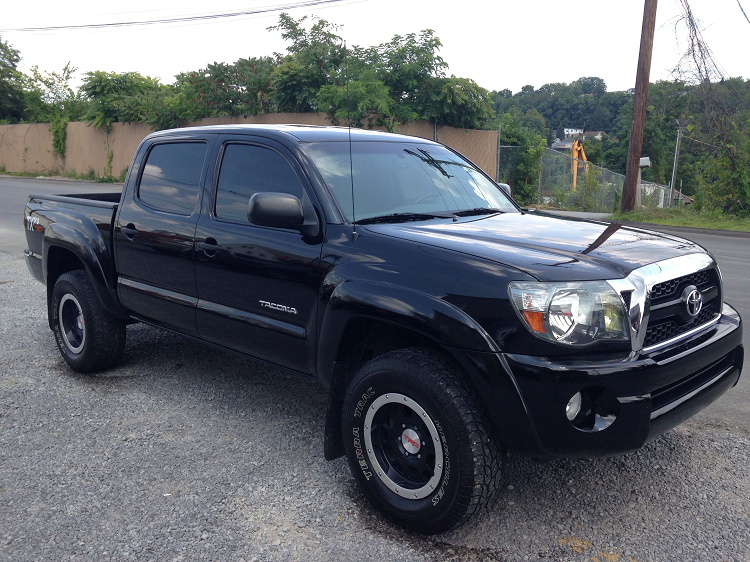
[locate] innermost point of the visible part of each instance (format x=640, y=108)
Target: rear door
x=257, y=286
x=155, y=229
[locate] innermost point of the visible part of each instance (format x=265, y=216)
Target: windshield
x=403, y=178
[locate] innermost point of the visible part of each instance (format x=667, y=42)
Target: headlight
x=578, y=313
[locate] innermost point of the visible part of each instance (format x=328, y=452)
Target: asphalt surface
x=186, y=452
x=15, y=191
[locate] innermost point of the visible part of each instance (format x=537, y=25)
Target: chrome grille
x=655, y=299
x=669, y=289
x=670, y=329
x=668, y=320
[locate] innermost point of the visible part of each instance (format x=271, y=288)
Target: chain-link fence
x=563, y=182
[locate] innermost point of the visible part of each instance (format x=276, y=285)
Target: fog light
x=573, y=407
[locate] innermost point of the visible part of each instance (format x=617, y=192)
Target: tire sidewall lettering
x=361, y=405
x=56, y=325
x=361, y=460
x=356, y=431
x=446, y=464
x=358, y=409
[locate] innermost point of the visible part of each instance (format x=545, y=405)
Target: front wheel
x=88, y=337
x=418, y=442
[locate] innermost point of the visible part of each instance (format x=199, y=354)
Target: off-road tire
x=102, y=344
x=425, y=387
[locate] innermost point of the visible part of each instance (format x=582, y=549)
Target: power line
x=701, y=142
x=165, y=21
x=743, y=11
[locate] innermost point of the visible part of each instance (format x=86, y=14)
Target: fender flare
x=425, y=314
x=93, y=253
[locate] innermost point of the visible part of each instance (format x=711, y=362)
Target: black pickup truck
x=445, y=322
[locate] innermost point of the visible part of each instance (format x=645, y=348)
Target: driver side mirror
x=506, y=189
x=279, y=210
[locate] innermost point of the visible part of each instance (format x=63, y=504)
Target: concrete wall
x=28, y=148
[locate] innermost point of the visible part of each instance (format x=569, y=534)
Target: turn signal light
x=535, y=320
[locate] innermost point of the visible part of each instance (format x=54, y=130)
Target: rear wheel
x=88, y=337
x=418, y=441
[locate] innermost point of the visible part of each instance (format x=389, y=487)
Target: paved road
x=14, y=192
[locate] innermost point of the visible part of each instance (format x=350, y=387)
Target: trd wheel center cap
x=79, y=322
x=410, y=441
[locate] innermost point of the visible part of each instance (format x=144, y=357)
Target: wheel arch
x=65, y=249
x=364, y=320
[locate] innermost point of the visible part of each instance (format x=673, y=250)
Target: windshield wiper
x=477, y=211
x=405, y=217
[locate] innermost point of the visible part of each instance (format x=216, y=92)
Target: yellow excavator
x=577, y=154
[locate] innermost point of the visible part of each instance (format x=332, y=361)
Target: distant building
x=563, y=145
x=572, y=132
x=588, y=135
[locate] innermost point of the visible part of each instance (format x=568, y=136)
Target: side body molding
x=431, y=317
x=87, y=243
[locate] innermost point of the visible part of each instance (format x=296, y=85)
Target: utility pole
x=676, y=159
x=639, y=106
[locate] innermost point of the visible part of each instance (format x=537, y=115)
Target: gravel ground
x=186, y=452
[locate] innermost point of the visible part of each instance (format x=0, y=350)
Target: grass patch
x=685, y=216
x=90, y=175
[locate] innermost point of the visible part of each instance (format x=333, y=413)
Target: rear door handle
x=209, y=247
x=130, y=231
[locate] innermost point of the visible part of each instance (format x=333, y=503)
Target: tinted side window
x=247, y=170
x=171, y=176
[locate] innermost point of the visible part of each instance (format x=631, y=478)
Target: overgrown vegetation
x=58, y=127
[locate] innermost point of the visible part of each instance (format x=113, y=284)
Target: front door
x=257, y=286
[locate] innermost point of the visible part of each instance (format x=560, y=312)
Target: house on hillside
x=593, y=135
x=563, y=145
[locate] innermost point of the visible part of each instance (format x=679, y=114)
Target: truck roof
x=303, y=133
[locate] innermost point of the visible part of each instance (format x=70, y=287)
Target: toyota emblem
x=694, y=303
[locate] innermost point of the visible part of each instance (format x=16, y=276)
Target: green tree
x=107, y=92
x=365, y=101
x=592, y=85
x=460, y=102
x=524, y=175
x=11, y=87
x=50, y=96
x=409, y=66
x=313, y=60
x=535, y=122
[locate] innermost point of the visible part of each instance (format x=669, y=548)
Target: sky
x=497, y=43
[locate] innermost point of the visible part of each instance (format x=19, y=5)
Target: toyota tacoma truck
x=445, y=322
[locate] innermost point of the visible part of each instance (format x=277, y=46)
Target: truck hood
x=550, y=248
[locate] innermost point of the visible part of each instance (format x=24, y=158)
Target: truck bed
x=91, y=214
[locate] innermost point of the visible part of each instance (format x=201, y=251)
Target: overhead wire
x=178, y=19
x=743, y=11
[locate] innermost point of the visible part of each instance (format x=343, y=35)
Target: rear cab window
x=171, y=177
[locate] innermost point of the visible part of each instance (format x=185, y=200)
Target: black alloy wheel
x=88, y=337
x=418, y=441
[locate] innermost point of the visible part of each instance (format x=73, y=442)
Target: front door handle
x=130, y=231
x=209, y=247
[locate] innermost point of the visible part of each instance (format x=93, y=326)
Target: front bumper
x=648, y=393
